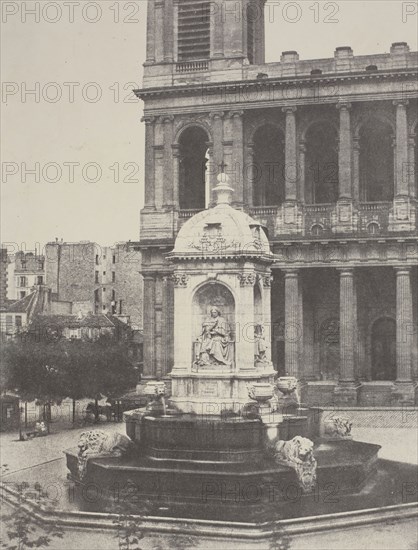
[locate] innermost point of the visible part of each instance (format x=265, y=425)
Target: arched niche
x=268, y=166
x=210, y=295
x=321, y=163
x=258, y=305
x=376, y=161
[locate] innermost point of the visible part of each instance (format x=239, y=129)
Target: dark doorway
x=384, y=349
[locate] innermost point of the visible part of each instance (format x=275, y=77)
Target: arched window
x=376, y=162
x=321, y=164
x=383, y=348
x=192, y=169
x=268, y=167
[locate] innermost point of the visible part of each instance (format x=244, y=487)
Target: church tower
x=185, y=31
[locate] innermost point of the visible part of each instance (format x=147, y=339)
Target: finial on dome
x=223, y=190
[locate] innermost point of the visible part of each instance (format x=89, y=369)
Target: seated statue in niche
x=214, y=345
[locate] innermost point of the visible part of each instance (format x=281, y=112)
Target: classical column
x=344, y=152
x=404, y=324
x=150, y=32
x=348, y=318
x=356, y=169
x=401, y=156
x=168, y=189
x=249, y=174
x=217, y=29
x=347, y=390
x=168, y=30
x=237, y=169
x=159, y=30
x=176, y=170
x=148, y=326
x=158, y=325
x=292, y=333
x=302, y=155
x=158, y=161
x=291, y=169
x=217, y=156
x=149, y=163
x=412, y=164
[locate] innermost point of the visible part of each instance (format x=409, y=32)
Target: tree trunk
x=96, y=410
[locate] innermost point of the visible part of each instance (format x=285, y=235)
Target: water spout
x=164, y=405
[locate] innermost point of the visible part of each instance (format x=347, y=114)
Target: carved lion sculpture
x=298, y=454
x=338, y=427
x=97, y=443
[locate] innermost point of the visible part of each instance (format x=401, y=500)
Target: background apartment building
x=96, y=279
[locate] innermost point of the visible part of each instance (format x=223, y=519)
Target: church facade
x=321, y=153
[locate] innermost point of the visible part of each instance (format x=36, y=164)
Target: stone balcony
x=301, y=221
x=326, y=220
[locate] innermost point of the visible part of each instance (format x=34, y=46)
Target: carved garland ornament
x=247, y=279
x=180, y=279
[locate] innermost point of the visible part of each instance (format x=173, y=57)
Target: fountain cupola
x=222, y=323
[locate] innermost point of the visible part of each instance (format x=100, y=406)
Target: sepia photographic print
x=209, y=275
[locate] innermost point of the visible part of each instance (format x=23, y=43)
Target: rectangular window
x=104, y=273
x=40, y=280
x=113, y=295
x=114, y=259
x=97, y=259
x=96, y=277
x=22, y=281
x=113, y=277
x=193, y=30
x=18, y=321
x=120, y=307
x=9, y=323
x=22, y=294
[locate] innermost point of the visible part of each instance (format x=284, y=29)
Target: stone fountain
x=222, y=432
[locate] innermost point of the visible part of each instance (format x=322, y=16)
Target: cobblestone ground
x=397, y=444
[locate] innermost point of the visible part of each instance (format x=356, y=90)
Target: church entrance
x=384, y=349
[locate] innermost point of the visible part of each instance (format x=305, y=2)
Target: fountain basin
x=200, y=438
x=238, y=490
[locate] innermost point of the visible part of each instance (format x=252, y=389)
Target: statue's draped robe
x=215, y=340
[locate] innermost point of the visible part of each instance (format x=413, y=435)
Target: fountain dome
x=221, y=230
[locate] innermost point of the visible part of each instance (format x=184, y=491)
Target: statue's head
x=214, y=311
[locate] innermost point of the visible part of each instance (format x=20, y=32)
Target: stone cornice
x=225, y=86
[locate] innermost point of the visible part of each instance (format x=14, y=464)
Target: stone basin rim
x=220, y=529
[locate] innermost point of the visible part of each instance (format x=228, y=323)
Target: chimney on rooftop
x=399, y=53
x=343, y=56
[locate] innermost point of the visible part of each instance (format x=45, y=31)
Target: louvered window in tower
x=193, y=30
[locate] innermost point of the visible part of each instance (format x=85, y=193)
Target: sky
x=72, y=151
